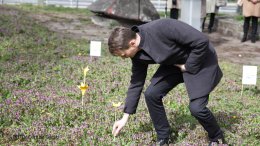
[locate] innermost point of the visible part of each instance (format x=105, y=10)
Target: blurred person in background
x=251, y=9
x=174, y=6
x=203, y=14
x=212, y=10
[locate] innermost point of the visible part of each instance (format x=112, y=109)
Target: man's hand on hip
x=181, y=66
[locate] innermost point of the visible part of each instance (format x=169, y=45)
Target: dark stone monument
x=126, y=9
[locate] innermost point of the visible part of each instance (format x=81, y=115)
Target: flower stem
x=115, y=122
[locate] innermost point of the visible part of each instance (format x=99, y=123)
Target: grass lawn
x=40, y=103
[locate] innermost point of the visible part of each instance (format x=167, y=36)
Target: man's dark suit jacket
x=167, y=42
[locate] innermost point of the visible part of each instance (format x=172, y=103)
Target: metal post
x=77, y=3
x=166, y=10
x=159, y=4
x=139, y=13
x=191, y=12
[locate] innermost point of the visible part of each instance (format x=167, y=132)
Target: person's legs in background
x=211, y=22
x=246, y=27
x=203, y=23
x=174, y=13
x=254, y=28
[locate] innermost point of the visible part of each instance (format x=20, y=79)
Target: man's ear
x=132, y=42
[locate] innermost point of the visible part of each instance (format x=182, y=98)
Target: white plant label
x=95, y=48
x=249, y=75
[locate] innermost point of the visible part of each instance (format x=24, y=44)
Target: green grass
x=40, y=71
x=30, y=8
x=112, y=25
x=162, y=14
x=240, y=17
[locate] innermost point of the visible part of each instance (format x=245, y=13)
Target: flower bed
x=41, y=104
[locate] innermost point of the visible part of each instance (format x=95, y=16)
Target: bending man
x=185, y=55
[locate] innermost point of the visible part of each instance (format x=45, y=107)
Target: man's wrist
x=126, y=116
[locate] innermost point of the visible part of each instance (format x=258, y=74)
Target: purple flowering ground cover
x=40, y=103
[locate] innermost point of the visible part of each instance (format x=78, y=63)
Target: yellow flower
x=78, y=45
x=0, y=37
x=225, y=67
x=85, y=71
x=36, y=22
x=47, y=51
x=116, y=105
x=79, y=53
x=83, y=88
x=2, y=55
x=5, y=44
x=107, y=60
x=84, y=53
x=55, y=68
x=223, y=75
x=43, y=78
x=21, y=49
x=234, y=117
x=54, y=33
x=63, y=56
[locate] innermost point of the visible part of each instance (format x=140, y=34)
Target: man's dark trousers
x=154, y=95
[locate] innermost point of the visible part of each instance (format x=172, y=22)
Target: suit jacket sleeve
x=184, y=34
x=139, y=72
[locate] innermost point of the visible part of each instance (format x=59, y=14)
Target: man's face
x=130, y=52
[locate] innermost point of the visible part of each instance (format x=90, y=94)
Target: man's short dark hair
x=119, y=38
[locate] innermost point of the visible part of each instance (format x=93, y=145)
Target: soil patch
x=73, y=26
x=229, y=49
